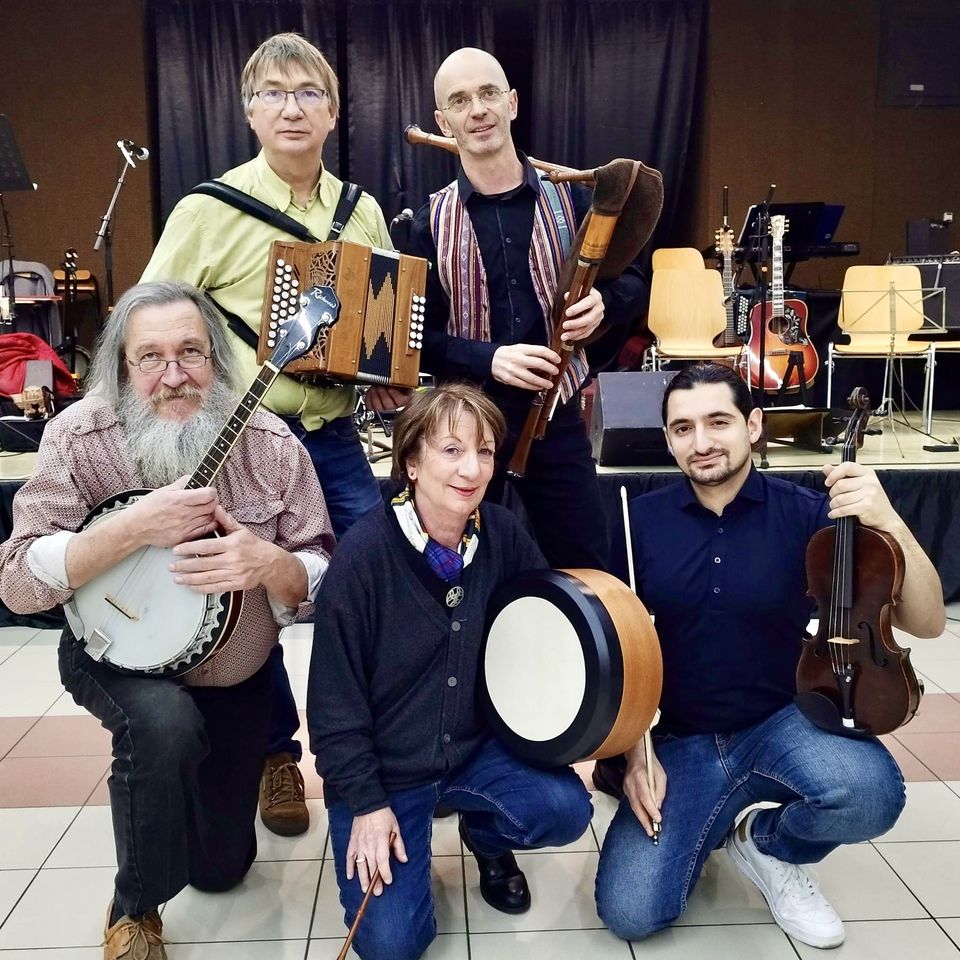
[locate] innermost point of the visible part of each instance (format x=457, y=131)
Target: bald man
x=497, y=237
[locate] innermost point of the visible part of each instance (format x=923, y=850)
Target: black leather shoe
x=502, y=883
x=608, y=776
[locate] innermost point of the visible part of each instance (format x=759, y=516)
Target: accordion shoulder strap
x=254, y=208
x=350, y=195
x=236, y=325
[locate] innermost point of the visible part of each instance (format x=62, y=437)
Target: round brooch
x=454, y=596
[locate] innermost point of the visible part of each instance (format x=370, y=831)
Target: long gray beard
x=164, y=450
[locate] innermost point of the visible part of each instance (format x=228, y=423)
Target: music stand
x=13, y=177
x=878, y=319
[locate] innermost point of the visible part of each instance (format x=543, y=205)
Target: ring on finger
x=360, y=859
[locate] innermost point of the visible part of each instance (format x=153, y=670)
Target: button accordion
x=375, y=300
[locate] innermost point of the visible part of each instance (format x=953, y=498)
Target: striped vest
x=464, y=280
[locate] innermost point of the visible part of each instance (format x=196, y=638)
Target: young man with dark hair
x=720, y=562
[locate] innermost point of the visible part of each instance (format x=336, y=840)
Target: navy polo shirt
x=729, y=597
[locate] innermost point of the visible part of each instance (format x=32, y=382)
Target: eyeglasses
x=189, y=361
x=488, y=97
x=308, y=97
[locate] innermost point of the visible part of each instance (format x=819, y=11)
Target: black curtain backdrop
x=597, y=79
x=618, y=78
x=200, y=50
x=393, y=51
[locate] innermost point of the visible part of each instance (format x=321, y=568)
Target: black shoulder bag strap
x=350, y=194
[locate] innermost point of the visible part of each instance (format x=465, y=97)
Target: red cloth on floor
x=16, y=349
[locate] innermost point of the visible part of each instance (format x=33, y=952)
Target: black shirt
x=503, y=224
x=728, y=595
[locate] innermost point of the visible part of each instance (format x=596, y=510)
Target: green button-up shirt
x=220, y=249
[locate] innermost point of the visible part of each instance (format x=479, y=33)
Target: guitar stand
x=377, y=450
x=794, y=362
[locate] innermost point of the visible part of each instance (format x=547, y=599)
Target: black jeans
x=560, y=490
x=185, y=775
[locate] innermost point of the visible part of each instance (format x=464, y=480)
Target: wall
x=791, y=98
x=72, y=81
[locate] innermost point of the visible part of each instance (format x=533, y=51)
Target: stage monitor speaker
x=626, y=429
x=927, y=237
x=19, y=435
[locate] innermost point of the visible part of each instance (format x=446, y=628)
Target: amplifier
x=20, y=435
x=626, y=428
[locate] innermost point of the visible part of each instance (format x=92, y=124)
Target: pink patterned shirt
x=268, y=484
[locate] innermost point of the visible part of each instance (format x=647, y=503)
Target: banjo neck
x=219, y=450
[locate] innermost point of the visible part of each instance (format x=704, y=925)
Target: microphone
x=132, y=151
x=405, y=214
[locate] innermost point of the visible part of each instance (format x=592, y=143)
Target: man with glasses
x=291, y=101
x=498, y=236
x=187, y=753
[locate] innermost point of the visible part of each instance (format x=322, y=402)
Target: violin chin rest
x=822, y=712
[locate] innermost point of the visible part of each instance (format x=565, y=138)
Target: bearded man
x=187, y=752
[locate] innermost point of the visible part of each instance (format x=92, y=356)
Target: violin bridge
x=845, y=641
x=118, y=606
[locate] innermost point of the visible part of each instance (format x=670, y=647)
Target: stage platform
x=923, y=486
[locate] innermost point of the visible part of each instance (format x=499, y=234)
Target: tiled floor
x=899, y=896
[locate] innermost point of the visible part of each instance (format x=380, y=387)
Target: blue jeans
x=831, y=790
x=350, y=490
x=506, y=805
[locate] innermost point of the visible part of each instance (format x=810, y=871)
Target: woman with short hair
x=392, y=700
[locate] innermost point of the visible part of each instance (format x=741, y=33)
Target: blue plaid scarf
x=446, y=562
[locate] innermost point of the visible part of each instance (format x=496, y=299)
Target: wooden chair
x=677, y=258
x=686, y=315
x=880, y=306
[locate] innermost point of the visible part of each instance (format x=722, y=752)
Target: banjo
x=133, y=616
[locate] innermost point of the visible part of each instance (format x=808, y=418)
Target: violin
x=853, y=678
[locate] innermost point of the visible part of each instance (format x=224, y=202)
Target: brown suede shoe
x=130, y=939
x=283, y=809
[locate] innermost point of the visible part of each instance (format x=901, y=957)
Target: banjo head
x=136, y=619
x=570, y=667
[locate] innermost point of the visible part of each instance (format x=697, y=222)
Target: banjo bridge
x=118, y=606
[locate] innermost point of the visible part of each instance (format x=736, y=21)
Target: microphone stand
x=104, y=236
x=9, y=281
x=763, y=257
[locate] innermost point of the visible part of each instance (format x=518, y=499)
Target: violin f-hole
x=876, y=647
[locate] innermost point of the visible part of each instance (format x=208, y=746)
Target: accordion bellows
x=377, y=336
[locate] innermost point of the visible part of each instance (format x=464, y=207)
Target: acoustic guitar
x=788, y=352
x=134, y=617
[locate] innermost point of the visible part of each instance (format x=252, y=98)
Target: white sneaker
x=799, y=908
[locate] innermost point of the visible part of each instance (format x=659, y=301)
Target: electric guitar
x=134, y=617
x=729, y=337
x=788, y=351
